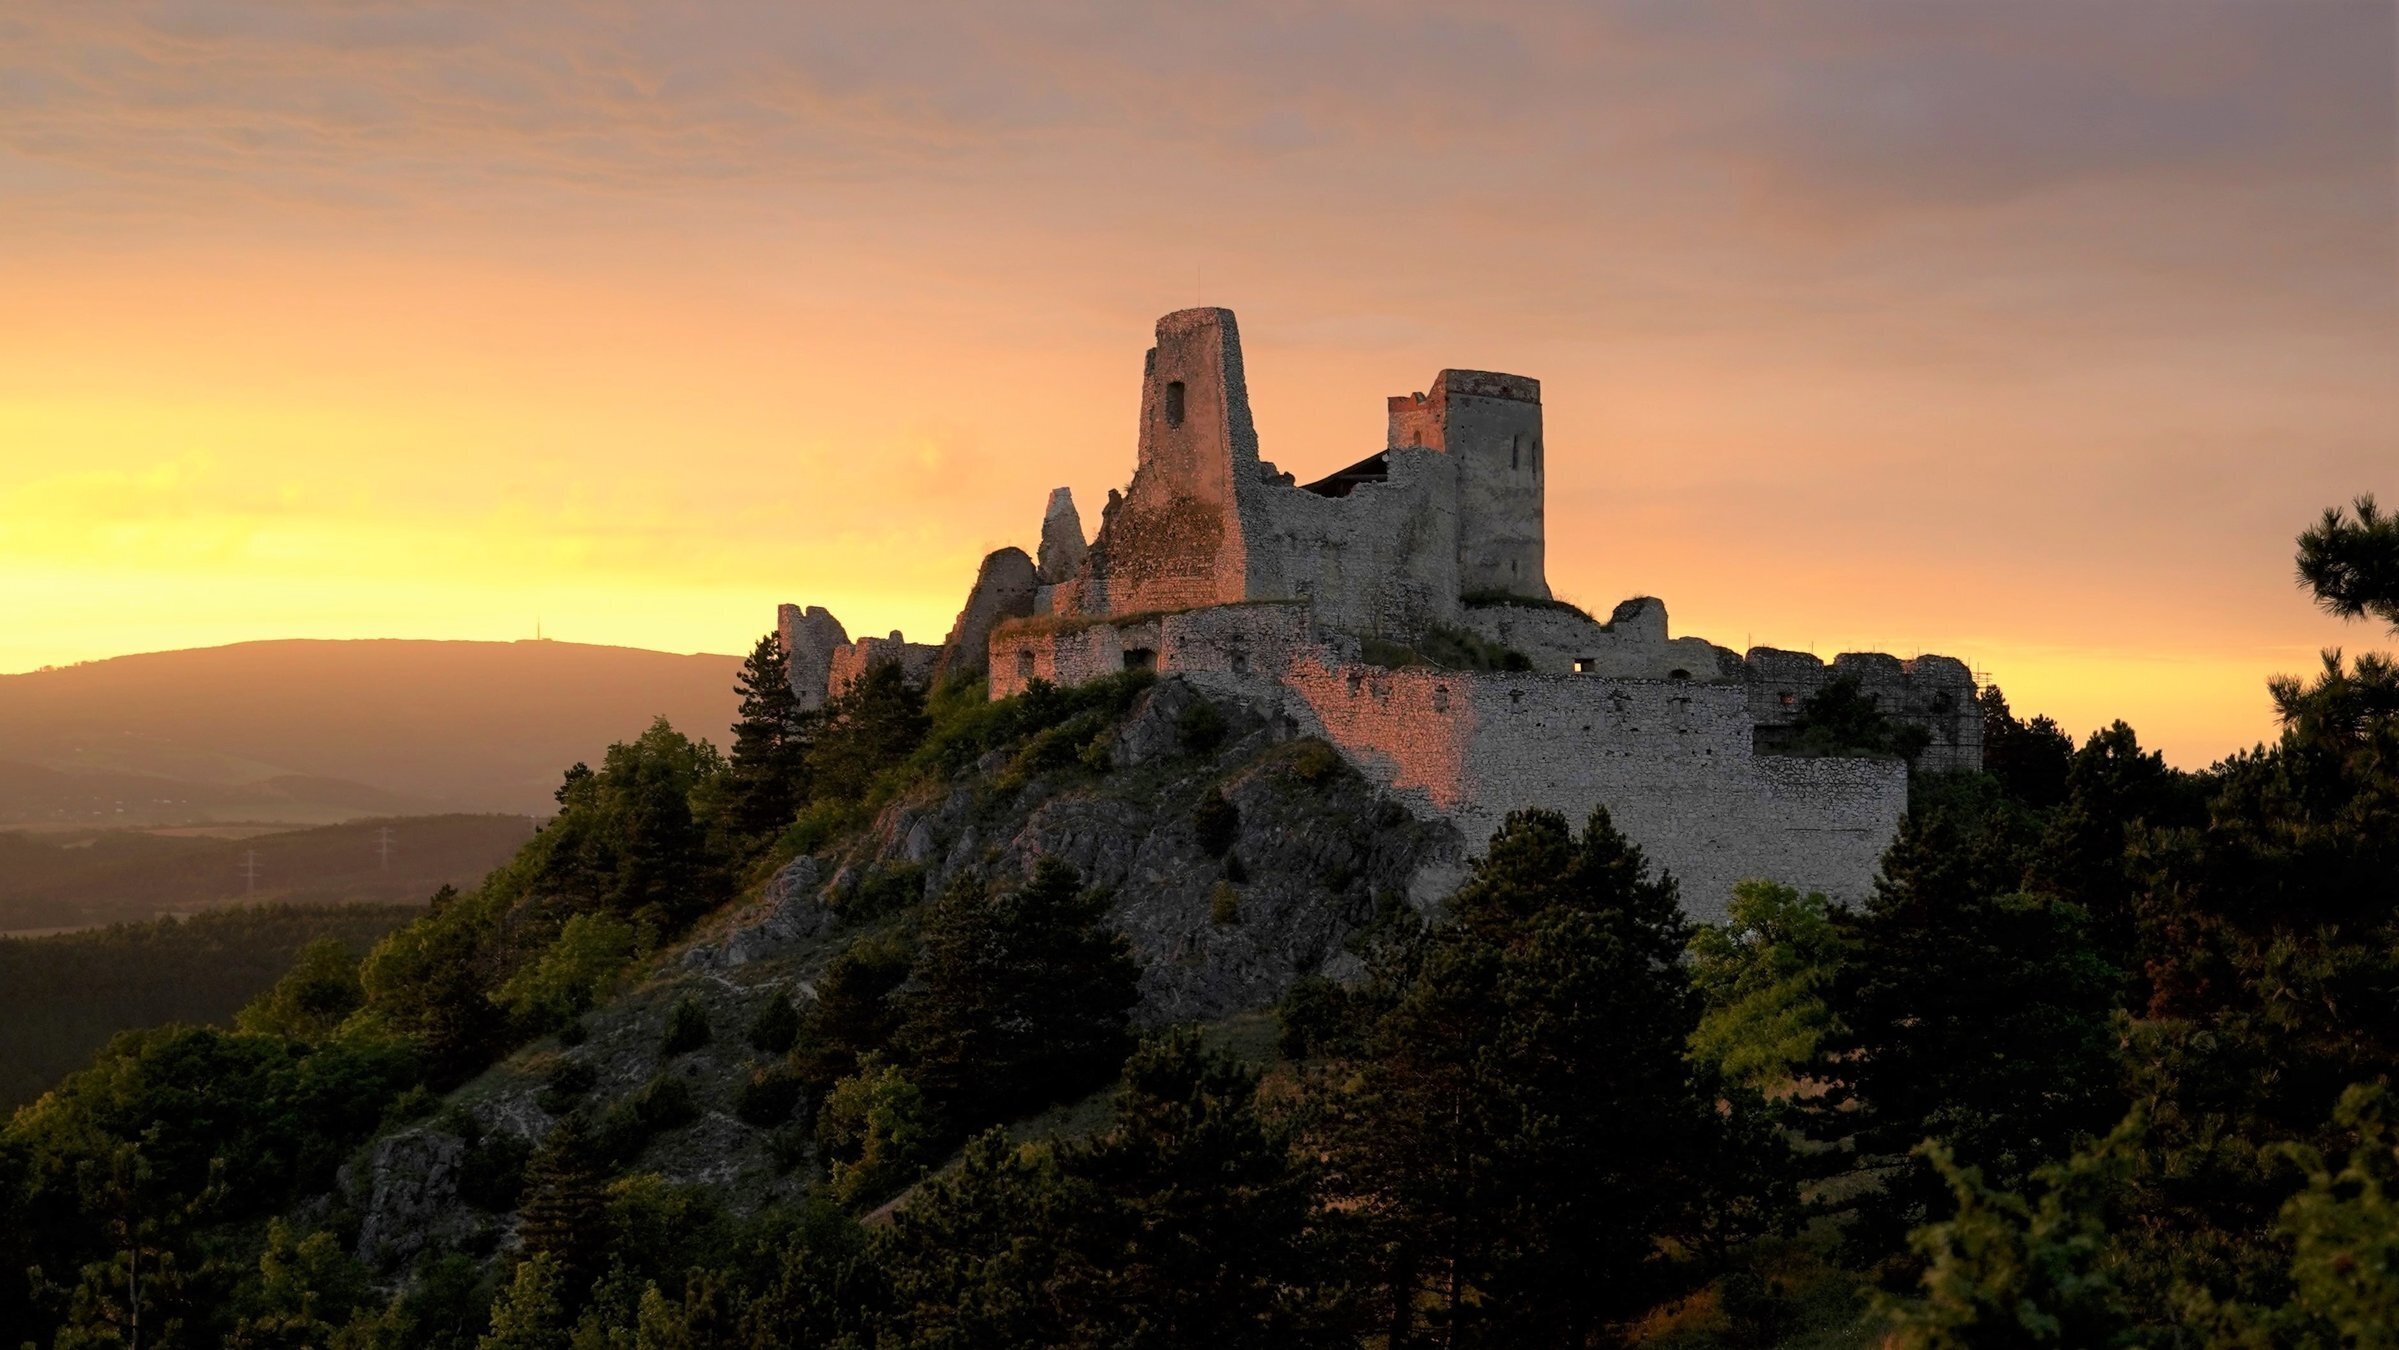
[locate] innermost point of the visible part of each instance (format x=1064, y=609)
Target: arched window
x=1174, y=403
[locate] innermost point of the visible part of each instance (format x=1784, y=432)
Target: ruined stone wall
x=1490, y=423
x=1173, y=539
x=1381, y=561
x=1934, y=692
x=1671, y=761
x=1237, y=640
x=1633, y=643
x=915, y=659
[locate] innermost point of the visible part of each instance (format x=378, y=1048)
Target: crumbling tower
x=1491, y=423
x=1174, y=539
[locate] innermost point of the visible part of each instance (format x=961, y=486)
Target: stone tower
x=1174, y=540
x=1491, y=424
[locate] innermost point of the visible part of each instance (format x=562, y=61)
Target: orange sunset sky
x=2029, y=333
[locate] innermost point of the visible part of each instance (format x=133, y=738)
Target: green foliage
x=686, y=1027
x=1315, y=1018
x=776, y=1026
x=1523, y=1125
x=1200, y=728
x=63, y=997
x=1024, y=997
x=307, y=1288
x=2012, y=1271
x=875, y=1132
x=564, y=981
x=768, y=1097
x=872, y=728
x=854, y=1013
x=1216, y=822
x=627, y=1127
x=533, y=1312
x=1314, y=762
x=317, y=995
x=560, y=1222
x=1841, y=718
x=2344, y=1232
x=1188, y=1222
x=1761, y=976
x=1446, y=648
x=1224, y=905
x=491, y=1176
x=2351, y=562
x=629, y=839
x=885, y=891
x=766, y=772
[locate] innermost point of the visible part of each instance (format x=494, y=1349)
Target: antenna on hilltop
x=383, y=846
x=250, y=872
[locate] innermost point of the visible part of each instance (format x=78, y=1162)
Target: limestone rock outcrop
x=1062, y=545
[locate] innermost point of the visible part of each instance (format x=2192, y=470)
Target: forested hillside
x=893, y=1026
x=63, y=997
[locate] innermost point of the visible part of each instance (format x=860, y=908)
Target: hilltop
x=310, y=732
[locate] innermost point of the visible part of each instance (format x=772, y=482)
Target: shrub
x=686, y=1026
x=1224, y=905
x=1314, y=762
x=564, y=1086
x=1201, y=728
x=767, y=1099
x=875, y=1128
x=776, y=1026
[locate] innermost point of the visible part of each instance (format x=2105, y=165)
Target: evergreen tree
x=873, y=726
x=1200, y=1220
x=854, y=1013
x=562, y=1220
x=1024, y=998
x=766, y=773
x=532, y=1313
x=1525, y=1126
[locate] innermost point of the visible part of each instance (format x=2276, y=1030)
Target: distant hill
x=63, y=878
x=309, y=732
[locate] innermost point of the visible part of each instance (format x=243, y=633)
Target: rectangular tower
x=1491, y=424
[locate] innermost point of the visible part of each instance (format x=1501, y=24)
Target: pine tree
x=767, y=770
x=1526, y=1125
x=564, y=1204
x=1025, y=997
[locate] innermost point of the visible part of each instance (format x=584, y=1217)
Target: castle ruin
x=1399, y=608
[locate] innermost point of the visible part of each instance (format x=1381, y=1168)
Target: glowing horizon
x=2026, y=336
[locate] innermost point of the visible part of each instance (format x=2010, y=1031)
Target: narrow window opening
x=1174, y=403
x=1515, y=450
x=1140, y=658
x=1024, y=663
x=1583, y=664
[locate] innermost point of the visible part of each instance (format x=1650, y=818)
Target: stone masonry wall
x=1934, y=692
x=915, y=659
x=1672, y=760
x=1381, y=561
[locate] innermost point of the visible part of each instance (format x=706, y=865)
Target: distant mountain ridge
x=310, y=731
